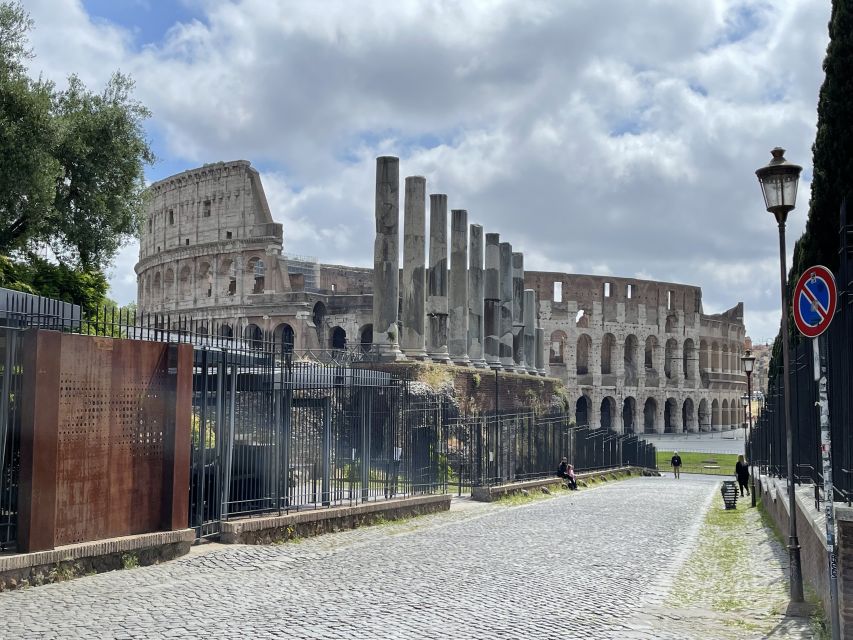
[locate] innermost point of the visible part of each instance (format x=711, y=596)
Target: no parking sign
x=815, y=297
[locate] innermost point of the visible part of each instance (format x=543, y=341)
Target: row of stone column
x=476, y=313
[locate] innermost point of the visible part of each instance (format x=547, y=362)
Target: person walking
x=742, y=473
x=676, y=465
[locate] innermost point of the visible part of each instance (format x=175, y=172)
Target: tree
x=832, y=179
x=71, y=161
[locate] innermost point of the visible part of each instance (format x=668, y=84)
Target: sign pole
x=818, y=350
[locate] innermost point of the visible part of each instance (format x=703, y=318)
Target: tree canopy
x=71, y=163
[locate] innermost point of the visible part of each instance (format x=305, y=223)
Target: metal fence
x=275, y=430
x=767, y=443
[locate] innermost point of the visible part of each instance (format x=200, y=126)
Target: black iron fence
x=275, y=430
x=768, y=444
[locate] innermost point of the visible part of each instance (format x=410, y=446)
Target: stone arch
x=715, y=356
x=256, y=273
x=583, y=354
x=228, y=277
x=338, y=338
x=146, y=289
x=670, y=353
x=582, y=411
x=716, y=425
x=225, y=331
x=703, y=354
x=318, y=317
x=558, y=347
x=725, y=416
x=629, y=415
x=607, y=413
x=632, y=370
x=671, y=422
x=202, y=329
x=704, y=416
x=365, y=337
x=157, y=288
x=671, y=323
x=285, y=337
x=735, y=411
x=688, y=416
x=650, y=410
x=185, y=284
x=651, y=353
x=205, y=280
x=688, y=357
x=724, y=358
x=169, y=285
x=253, y=336
x=608, y=349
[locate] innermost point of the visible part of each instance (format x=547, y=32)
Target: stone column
x=413, y=335
x=506, y=306
x=386, y=250
x=475, y=297
x=437, y=279
x=457, y=339
x=539, y=356
x=492, y=301
x=518, y=312
x=529, y=331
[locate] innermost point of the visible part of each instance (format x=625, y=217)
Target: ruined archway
x=725, y=417
x=716, y=425
x=650, y=410
x=688, y=416
x=253, y=336
x=632, y=371
x=583, y=354
x=670, y=358
x=185, y=284
x=651, y=354
x=285, y=337
x=338, y=338
x=365, y=337
x=629, y=415
x=608, y=349
x=704, y=416
x=688, y=357
x=558, y=347
x=671, y=422
x=582, y=411
x=607, y=414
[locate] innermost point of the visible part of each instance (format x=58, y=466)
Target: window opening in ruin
x=366, y=337
x=583, y=349
x=171, y=216
x=149, y=224
x=608, y=347
x=629, y=291
x=558, y=342
x=227, y=235
x=649, y=414
x=606, y=289
x=259, y=272
x=158, y=249
x=669, y=299
x=288, y=338
x=582, y=411
x=206, y=209
x=339, y=338
x=187, y=242
x=232, y=280
x=558, y=292
x=629, y=407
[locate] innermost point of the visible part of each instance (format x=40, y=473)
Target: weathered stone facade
x=641, y=357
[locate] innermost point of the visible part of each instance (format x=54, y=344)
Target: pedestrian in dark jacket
x=742, y=473
x=676, y=465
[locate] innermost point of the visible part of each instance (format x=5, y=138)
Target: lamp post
x=779, y=180
x=748, y=362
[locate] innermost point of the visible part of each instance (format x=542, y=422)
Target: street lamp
x=748, y=362
x=778, y=182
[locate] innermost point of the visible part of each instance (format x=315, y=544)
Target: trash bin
x=729, y=491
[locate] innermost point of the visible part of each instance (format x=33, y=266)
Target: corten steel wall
x=105, y=438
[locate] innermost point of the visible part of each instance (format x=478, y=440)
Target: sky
x=597, y=136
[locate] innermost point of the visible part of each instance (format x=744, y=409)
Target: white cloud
x=611, y=135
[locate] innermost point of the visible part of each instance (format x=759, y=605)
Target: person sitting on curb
x=567, y=472
x=676, y=465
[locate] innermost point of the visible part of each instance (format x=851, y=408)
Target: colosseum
x=635, y=355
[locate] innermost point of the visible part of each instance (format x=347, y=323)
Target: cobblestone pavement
x=589, y=564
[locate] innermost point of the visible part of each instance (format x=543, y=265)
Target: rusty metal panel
x=112, y=413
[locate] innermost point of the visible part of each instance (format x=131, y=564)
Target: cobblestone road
x=581, y=565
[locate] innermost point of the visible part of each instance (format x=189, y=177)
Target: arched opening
x=185, y=284
x=584, y=347
x=285, y=337
x=157, y=288
x=703, y=355
x=735, y=414
x=227, y=278
x=608, y=346
x=558, y=347
x=253, y=335
x=670, y=363
x=147, y=289
x=629, y=415
x=670, y=417
x=651, y=355
x=671, y=323
x=688, y=357
x=257, y=272
x=582, y=411
x=715, y=415
x=725, y=358
x=202, y=330
x=365, y=337
x=725, y=417
x=688, y=416
x=704, y=416
x=169, y=283
x=338, y=338
x=205, y=280
x=632, y=372
x=608, y=413
x=225, y=331
x=715, y=356
x=650, y=411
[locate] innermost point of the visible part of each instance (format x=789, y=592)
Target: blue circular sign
x=814, y=301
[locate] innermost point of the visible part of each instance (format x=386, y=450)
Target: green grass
x=698, y=462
